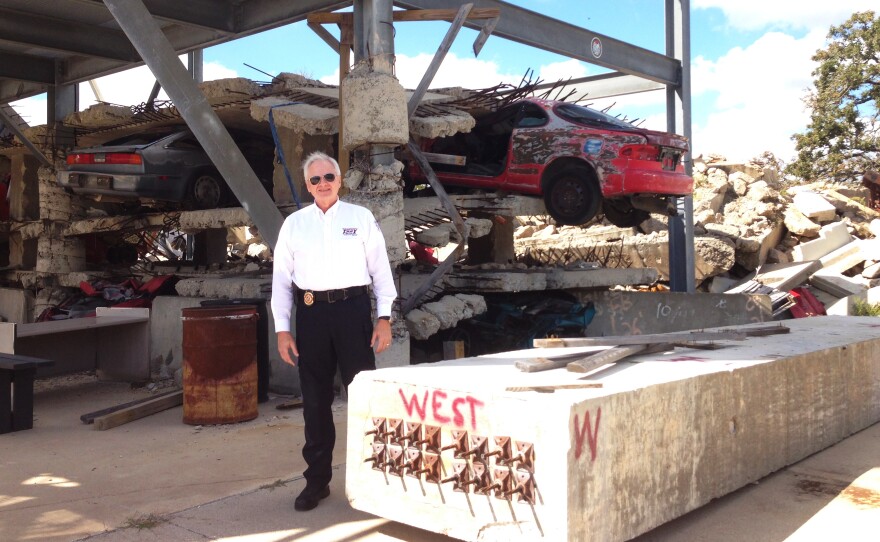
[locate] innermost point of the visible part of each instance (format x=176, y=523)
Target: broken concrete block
x=305, y=118
x=814, y=206
x=476, y=303
x=845, y=204
x=449, y=310
x=849, y=255
x=442, y=125
x=798, y=223
x=435, y=236
x=375, y=111
x=872, y=271
x=785, y=276
x=836, y=284
x=831, y=237
x=100, y=115
x=230, y=90
x=421, y=324
x=478, y=227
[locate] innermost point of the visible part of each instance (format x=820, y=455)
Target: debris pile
x=748, y=219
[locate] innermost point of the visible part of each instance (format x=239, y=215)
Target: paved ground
x=157, y=479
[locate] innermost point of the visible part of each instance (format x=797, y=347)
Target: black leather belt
x=310, y=297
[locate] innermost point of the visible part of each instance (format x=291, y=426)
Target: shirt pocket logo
x=349, y=232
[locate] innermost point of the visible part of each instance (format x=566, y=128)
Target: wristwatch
x=387, y=318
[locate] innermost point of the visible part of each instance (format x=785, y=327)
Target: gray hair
x=319, y=156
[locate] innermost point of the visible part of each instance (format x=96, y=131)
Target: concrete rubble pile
x=748, y=219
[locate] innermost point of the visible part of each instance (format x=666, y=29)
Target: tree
x=841, y=140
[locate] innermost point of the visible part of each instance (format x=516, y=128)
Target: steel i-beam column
x=678, y=114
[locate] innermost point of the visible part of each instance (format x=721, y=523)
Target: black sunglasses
x=329, y=177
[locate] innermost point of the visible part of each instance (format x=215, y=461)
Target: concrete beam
x=638, y=313
x=510, y=205
x=480, y=281
x=65, y=35
x=27, y=68
x=665, y=434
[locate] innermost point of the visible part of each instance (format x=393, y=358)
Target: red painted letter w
x=586, y=430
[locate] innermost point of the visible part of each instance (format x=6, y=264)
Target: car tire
x=622, y=214
x=207, y=190
x=572, y=196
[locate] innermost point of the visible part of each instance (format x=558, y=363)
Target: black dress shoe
x=309, y=498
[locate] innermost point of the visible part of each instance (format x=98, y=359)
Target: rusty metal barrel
x=219, y=364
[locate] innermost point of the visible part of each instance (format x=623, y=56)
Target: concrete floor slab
x=665, y=434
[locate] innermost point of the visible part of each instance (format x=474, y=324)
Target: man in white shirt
x=327, y=256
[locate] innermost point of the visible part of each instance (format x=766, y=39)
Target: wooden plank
x=450, y=159
x=738, y=334
x=550, y=388
x=453, y=349
x=407, y=15
x=136, y=412
x=611, y=355
x=291, y=404
x=546, y=363
x=89, y=418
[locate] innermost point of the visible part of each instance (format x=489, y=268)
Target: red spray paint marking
x=586, y=430
x=441, y=408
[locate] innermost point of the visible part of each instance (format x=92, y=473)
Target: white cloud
x=759, y=91
x=131, y=87
x=786, y=14
x=454, y=71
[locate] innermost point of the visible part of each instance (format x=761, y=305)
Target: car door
x=528, y=149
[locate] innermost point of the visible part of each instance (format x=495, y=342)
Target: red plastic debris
x=805, y=303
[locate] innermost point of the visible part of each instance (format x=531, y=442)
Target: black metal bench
x=17, y=391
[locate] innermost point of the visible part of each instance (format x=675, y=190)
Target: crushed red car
x=578, y=159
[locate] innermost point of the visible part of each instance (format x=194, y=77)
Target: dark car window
x=186, y=142
x=531, y=116
x=141, y=138
x=584, y=115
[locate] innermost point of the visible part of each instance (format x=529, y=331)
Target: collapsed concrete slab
x=300, y=117
x=476, y=450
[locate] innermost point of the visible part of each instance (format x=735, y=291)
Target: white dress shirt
x=319, y=251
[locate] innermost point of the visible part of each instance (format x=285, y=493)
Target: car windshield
x=584, y=115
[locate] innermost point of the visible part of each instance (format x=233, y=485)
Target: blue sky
x=751, y=63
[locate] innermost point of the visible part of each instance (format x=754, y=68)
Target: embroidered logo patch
x=349, y=231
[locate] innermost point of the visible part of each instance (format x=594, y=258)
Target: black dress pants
x=329, y=335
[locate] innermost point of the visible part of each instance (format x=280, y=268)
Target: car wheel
x=207, y=191
x=622, y=214
x=572, y=196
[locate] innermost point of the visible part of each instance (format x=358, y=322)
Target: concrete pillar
x=24, y=201
x=498, y=246
x=375, y=119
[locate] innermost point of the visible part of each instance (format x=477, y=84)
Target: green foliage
x=863, y=308
x=842, y=139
